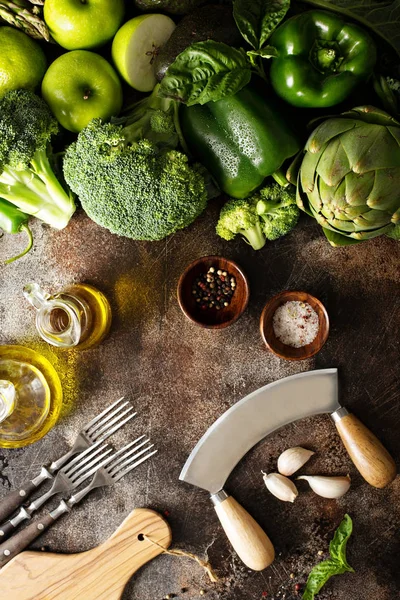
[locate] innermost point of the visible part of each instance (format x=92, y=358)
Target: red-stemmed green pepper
x=321, y=59
x=12, y=220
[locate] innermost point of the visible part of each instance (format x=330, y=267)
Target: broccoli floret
x=27, y=179
x=278, y=210
x=238, y=216
x=136, y=189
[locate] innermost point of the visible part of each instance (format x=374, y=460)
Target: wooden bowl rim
x=245, y=282
x=280, y=298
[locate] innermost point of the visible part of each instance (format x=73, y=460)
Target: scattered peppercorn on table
x=181, y=377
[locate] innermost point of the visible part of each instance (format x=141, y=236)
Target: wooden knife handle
x=367, y=453
x=246, y=536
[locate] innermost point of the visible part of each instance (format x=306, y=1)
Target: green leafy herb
x=267, y=52
x=335, y=565
x=256, y=20
x=205, y=72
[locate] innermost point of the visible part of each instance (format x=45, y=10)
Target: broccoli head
x=278, y=210
x=135, y=189
x=266, y=215
x=238, y=216
x=27, y=179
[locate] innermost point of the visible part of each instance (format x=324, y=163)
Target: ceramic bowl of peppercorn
x=213, y=292
x=294, y=325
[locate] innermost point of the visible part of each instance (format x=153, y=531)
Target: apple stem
x=86, y=94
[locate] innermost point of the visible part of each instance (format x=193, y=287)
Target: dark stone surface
x=181, y=378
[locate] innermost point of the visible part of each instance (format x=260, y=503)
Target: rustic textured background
x=181, y=378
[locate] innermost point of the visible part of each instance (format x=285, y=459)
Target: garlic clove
x=293, y=459
x=328, y=487
x=281, y=487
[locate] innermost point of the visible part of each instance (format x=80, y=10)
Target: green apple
x=135, y=47
x=80, y=86
x=77, y=24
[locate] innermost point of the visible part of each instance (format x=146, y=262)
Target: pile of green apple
x=81, y=85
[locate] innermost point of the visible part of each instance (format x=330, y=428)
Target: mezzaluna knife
x=249, y=421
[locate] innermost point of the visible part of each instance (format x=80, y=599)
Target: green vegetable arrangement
x=267, y=215
x=27, y=179
x=130, y=180
x=349, y=176
x=335, y=565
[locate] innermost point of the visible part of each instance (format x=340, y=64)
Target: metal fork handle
x=16, y=498
x=24, y=538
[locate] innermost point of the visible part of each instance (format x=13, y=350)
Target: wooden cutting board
x=98, y=574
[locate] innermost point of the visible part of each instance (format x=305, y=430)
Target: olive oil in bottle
x=77, y=317
x=30, y=396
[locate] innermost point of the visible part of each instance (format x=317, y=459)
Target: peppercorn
x=213, y=290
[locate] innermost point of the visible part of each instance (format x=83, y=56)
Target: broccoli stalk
x=267, y=215
x=238, y=217
x=155, y=119
x=27, y=179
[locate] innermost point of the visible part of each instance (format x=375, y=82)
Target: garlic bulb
x=293, y=459
x=281, y=487
x=328, y=487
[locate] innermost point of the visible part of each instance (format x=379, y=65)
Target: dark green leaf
x=381, y=16
x=320, y=575
x=257, y=19
x=206, y=72
x=337, y=547
x=337, y=563
x=267, y=52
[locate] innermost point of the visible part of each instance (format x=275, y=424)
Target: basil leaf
x=267, y=52
x=206, y=72
x=320, y=575
x=257, y=19
x=335, y=565
x=337, y=547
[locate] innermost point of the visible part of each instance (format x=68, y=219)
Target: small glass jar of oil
x=78, y=316
x=30, y=396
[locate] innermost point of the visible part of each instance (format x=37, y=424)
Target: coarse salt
x=295, y=324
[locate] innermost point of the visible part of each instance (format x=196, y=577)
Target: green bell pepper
x=241, y=139
x=321, y=59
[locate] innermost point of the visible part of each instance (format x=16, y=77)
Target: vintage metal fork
x=113, y=469
x=98, y=429
x=68, y=478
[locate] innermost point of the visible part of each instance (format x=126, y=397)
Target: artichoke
x=348, y=176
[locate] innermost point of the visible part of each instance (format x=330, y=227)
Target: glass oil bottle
x=30, y=396
x=78, y=316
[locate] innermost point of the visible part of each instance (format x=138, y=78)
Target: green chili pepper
x=321, y=59
x=12, y=220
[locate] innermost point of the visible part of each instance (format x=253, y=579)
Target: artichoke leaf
x=328, y=130
x=359, y=187
x=337, y=240
x=308, y=171
x=370, y=147
x=385, y=194
x=334, y=163
x=371, y=114
x=372, y=219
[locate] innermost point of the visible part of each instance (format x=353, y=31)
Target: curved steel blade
x=254, y=417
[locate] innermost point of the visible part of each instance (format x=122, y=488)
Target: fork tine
x=103, y=414
x=103, y=426
x=80, y=455
x=107, y=434
x=115, y=470
x=83, y=458
x=117, y=411
x=91, y=467
x=96, y=467
x=126, y=454
x=131, y=467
